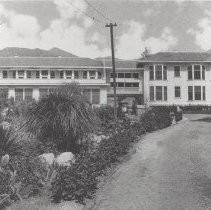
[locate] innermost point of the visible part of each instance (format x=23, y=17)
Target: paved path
x=171, y=170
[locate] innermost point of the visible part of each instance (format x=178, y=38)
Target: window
x=113, y=75
x=204, y=93
x=165, y=72
x=52, y=74
x=128, y=84
x=197, y=90
x=76, y=75
x=197, y=72
x=120, y=84
x=159, y=93
x=140, y=65
x=165, y=93
x=203, y=72
x=87, y=94
x=121, y=75
x=151, y=72
x=128, y=75
x=92, y=74
x=95, y=96
x=190, y=74
x=85, y=75
x=135, y=75
x=4, y=92
x=18, y=94
x=136, y=84
x=177, y=71
x=28, y=74
x=177, y=92
x=28, y=94
x=61, y=74
x=14, y=74
x=43, y=92
x=158, y=72
x=99, y=75
x=68, y=74
x=37, y=74
x=5, y=75
x=44, y=74
x=20, y=74
x=151, y=93
x=190, y=93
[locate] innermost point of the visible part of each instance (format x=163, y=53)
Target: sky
x=74, y=26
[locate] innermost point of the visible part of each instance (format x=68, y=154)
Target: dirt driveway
x=171, y=170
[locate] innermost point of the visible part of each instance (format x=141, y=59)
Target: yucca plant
x=64, y=117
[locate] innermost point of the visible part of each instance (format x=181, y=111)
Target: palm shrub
x=63, y=117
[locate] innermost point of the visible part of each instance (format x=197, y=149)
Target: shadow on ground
x=204, y=119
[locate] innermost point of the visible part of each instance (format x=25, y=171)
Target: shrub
x=63, y=117
x=162, y=116
x=79, y=182
x=106, y=116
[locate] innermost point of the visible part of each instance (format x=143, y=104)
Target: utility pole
x=111, y=25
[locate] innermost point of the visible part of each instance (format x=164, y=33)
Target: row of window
x=45, y=74
x=92, y=95
x=159, y=72
x=159, y=93
x=125, y=84
x=126, y=75
x=194, y=92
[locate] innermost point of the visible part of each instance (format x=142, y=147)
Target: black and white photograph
x=105, y=105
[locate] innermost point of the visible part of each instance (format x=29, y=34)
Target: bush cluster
x=79, y=182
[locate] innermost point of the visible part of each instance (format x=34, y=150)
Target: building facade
x=129, y=79
x=26, y=78
x=177, y=78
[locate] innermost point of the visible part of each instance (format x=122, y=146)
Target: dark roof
x=125, y=64
x=49, y=61
x=178, y=56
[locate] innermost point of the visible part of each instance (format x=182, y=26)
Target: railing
x=50, y=81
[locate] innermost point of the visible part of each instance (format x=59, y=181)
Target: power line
x=89, y=16
x=96, y=10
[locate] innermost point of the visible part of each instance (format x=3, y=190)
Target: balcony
x=29, y=82
x=126, y=90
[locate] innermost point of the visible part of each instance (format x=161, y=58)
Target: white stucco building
x=24, y=78
x=177, y=78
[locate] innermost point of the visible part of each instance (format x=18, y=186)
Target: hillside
x=25, y=52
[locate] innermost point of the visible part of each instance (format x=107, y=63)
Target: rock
x=65, y=159
x=47, y=158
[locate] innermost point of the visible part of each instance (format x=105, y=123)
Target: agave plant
x=9, y=143
x=64, y=117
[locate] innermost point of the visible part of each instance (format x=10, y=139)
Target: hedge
x=79, y=182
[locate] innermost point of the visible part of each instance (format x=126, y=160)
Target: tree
x=146, y=52
x=63, y=117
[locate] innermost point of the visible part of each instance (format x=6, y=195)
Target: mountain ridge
x=37, y=52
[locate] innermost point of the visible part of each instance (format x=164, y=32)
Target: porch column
x=11, y=93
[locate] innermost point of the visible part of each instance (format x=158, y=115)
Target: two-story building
x=179, y=78
x=24, y=78
x=129, y=79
